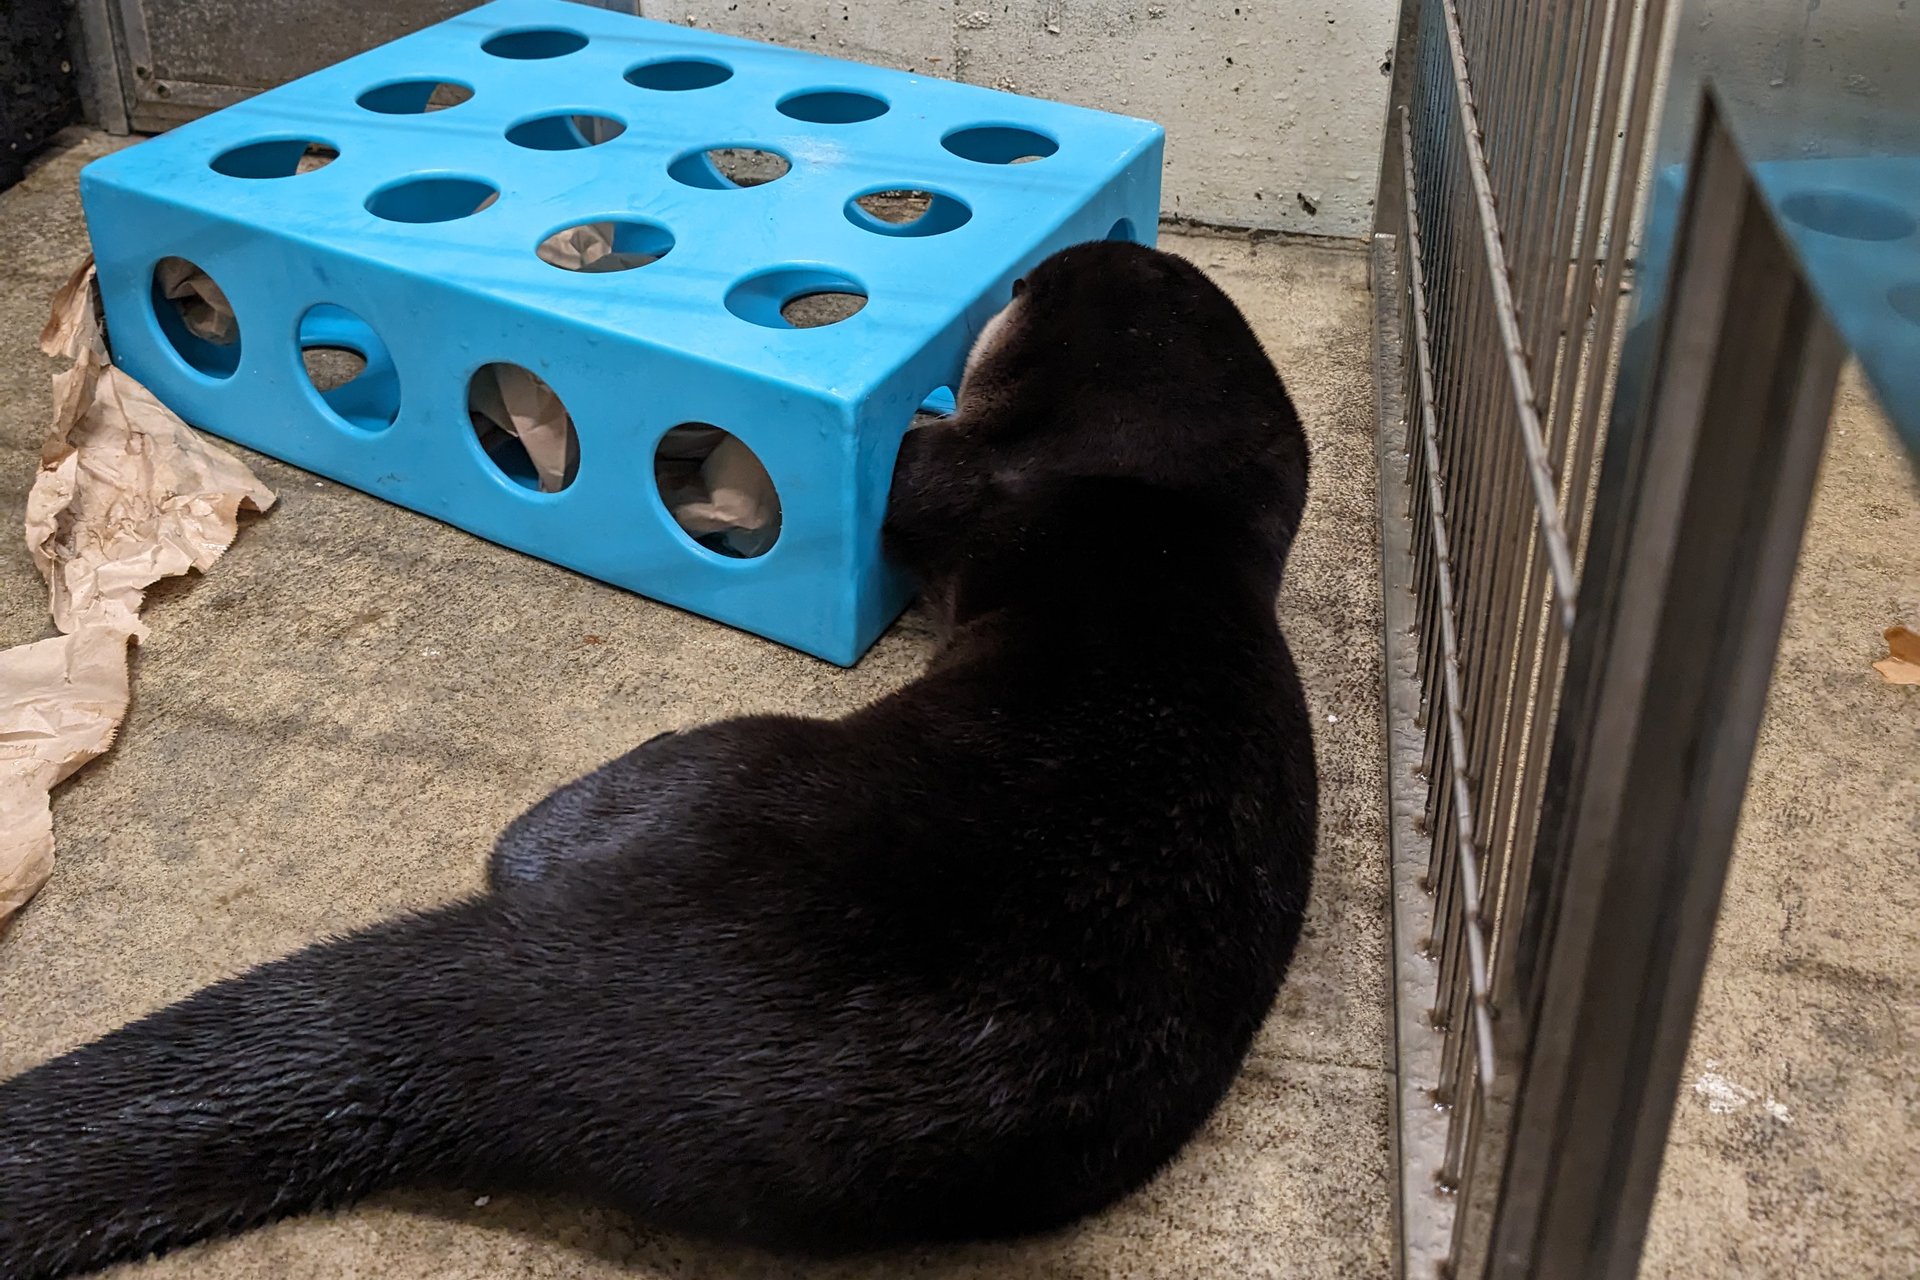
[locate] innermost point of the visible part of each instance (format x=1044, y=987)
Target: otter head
x=1112, y=362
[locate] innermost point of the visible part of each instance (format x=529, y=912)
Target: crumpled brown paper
x=717, y=490
x=60, y=705
x=589, y=247
x=505, y=401
x=1902, y=663
x=204, y=308
x=126, y=494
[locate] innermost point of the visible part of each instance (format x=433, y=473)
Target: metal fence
x=1513, y=161
x=1587, y=557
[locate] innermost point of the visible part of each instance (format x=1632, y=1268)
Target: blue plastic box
x=400, y=249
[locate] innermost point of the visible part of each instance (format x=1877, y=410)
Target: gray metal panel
x=157, y=63
x=255, y=44
x=98, y=69
x=187, y=57
x=1423, y=1209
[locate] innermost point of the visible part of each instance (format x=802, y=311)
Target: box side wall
x=610, y=523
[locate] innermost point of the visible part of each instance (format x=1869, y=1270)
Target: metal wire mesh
x=1517, y=146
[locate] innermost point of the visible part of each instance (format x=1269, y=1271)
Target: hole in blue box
x=194, y=314
x=606, y=245
x=999, y=144
x=717, y=490
x=1905, y=301
x=728, y=168
x=832, y=106
x=275, y=158
x=564, y=131
x=414, y=97
x=532, y=43
x=817, y=308
x=522, y=427
x=1848, y=215
x=350, y=368
x=1123, y=230
x=440, y=199
x=675, y=75
x=796, y=297
x=898, y=211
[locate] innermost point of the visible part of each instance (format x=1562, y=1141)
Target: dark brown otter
x=971, y=962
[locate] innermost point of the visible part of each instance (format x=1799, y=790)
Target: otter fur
x=971, y=962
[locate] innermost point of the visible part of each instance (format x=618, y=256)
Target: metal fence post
x=1703, y=498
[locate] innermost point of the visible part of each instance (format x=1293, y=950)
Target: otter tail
x=309, y=1082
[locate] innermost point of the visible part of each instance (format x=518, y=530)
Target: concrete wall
x=1273, y=110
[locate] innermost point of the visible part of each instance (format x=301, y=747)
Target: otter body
x=971, y=962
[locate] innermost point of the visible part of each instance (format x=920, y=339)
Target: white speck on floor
x=1724, y=1097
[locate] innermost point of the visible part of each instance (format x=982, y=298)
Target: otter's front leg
x=936, y=499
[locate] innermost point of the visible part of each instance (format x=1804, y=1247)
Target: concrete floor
x=333, y=725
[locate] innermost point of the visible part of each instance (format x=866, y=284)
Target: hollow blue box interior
x=416, y=247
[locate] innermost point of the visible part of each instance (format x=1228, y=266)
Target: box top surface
x=403, y=187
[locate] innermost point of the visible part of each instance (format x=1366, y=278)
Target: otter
x=972, y=962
